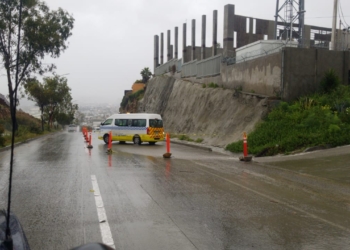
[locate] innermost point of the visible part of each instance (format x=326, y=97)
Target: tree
x=65, y=113
x=53, y=98
x=146, y=75
x=59, y=97
x=29, y=31
x=36, y=93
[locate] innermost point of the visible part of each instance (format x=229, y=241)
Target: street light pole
x=334, y=26
x=347, y=38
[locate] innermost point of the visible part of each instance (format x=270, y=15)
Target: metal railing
x=189, y=69
x=166, y=67
x=203, y=68
x=179, y=65
x=209, y=66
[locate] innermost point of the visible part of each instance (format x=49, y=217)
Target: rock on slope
x=217, y=115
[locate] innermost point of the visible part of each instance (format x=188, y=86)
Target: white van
x=137, y=128
x=72, y=128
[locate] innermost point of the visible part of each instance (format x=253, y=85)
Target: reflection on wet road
x=195, y=200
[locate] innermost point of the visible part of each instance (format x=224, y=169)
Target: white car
x=72, y=128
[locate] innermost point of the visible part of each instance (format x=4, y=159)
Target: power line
x=322, y=17
x=341, y=10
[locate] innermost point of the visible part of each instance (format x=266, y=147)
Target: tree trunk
x=12, y=106
x=42, y=118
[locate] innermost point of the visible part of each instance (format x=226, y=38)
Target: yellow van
x=137, y=128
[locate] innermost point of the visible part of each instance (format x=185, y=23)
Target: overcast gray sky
x=113, y=40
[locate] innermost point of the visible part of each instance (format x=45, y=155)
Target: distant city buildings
x=94, y=113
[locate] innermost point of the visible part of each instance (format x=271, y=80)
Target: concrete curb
x=26, y=141
x=206, y=148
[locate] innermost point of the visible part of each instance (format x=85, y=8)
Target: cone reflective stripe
x=90, y=146
x=110, y=140
x=245, y=145
x=86, y=135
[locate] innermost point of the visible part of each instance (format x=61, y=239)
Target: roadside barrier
x=109, y=150
x=245, y=156
x=167, y=154
x=85, y=134
x=90, y=146
x=245, y=145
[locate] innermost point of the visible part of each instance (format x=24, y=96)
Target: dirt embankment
x=217, y=115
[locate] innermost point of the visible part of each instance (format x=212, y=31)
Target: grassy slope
x=29, y=126
x=319, y=119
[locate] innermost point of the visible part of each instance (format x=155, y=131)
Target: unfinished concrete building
x=258, y=55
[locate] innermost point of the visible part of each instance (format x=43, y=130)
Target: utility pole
x=334, y=26
x=293, y=10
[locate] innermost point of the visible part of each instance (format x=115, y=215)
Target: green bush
x=330, y=81
x=310, y=121
x=22, y=131
x=183, y=137
x=204, y=85
x=2, y=139
x=239, y=88
x=35, y=129
x=124, y=102
x=199, y=140
x=212, y=85
x=137, y=95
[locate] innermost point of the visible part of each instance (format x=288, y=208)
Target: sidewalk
x=332, y=164
x=204, y=147
x=337, y=151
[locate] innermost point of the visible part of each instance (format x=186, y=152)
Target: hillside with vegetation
x=320, y=120
x=217, y=116
x=129, y=103
x=29, y=126
x=130, y=100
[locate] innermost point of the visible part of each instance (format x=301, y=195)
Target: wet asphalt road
x=195, y=200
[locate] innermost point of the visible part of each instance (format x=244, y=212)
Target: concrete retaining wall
x=260, y=76
x=305, y=68
x=288, y=74
x=219, y=116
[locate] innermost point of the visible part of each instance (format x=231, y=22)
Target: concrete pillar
x=168, y=47
x=156, y=52
x=215, y=33
x=307, y=36
x=193, y=53
x=204, y=26
x=161, y=48
x=184, y=43
x=176, y=41
x=229, y=13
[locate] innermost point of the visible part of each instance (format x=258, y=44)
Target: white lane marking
x=102, y=216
